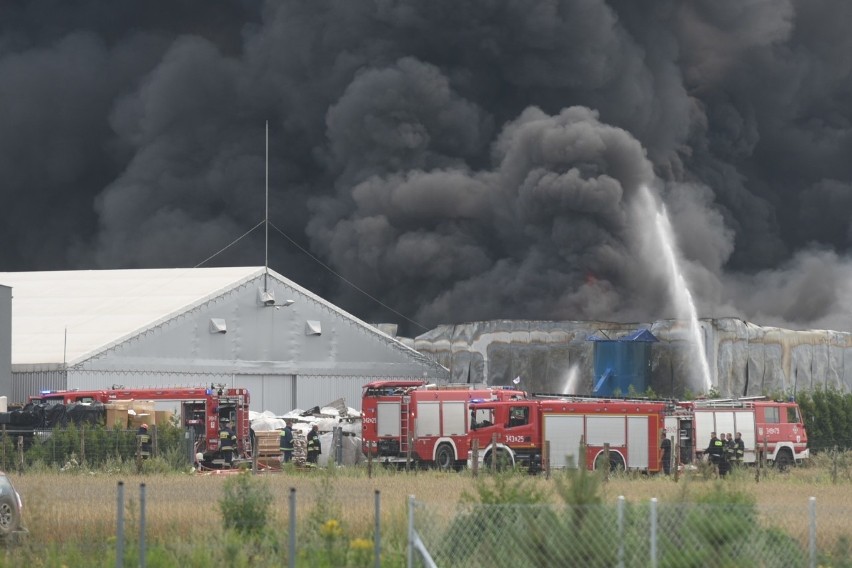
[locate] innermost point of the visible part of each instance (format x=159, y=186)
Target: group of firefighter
x=312, y=443
x=228, y=442
x=723, y=453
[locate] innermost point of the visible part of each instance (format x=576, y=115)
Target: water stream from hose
x=679, y=288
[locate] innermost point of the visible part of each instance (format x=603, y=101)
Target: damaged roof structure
x=557, y=357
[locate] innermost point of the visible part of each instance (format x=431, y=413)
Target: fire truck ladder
x=403, y=425
x=741, y=402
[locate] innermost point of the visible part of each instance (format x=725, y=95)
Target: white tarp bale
x=294, y=414
x=265, y=421
x=352, y=453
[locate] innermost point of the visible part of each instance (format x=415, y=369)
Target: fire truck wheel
x=616, y=462
x=784, y=459
x=504, y=460
x=445, y=457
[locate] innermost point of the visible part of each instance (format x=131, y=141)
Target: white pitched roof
x=61, y=316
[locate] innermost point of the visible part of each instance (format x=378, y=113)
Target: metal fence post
x=141, y=525
x=545, y=459
x=812, y=531
x=494, y=454
x=292, y=546
x=254, y=454
x=338, y=445
x=409, y=562
x=676, y=454
x=653, y=532
x=189, y=444
x=119, y=527
x=620, y=510
x=377, y=539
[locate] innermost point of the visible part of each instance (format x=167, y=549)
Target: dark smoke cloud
x=459, y=161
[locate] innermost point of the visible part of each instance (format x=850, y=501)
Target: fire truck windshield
x=481, y=417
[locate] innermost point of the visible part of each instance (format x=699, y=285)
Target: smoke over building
x=458, y=161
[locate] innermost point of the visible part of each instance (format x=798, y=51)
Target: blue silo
x=622, y=363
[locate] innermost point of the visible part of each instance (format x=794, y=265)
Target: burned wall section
x=556, y=357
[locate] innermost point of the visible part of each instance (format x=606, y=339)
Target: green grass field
x=72, y=516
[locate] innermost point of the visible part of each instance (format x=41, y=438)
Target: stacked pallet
x=133, y=413
x=268, y=449
x=268, y=444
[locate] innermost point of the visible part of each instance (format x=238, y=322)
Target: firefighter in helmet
x=286, y=442
x=730, y=450
x=716, y=453
x=739, y=449
x=227, y=441
x=144, y=441
x=666, y=452
x=314, y=446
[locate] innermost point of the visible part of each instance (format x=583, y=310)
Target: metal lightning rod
x=266, y=217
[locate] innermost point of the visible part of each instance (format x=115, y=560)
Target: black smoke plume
x=457, y=160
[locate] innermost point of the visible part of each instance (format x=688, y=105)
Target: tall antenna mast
x=266, y=217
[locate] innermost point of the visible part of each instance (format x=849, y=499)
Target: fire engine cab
x=409, y=420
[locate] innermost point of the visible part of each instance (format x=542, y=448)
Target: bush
x=245, y=505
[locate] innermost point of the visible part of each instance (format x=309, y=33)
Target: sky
x=442, y=162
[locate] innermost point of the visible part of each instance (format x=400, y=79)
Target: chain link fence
x=626, y=534
x=90, y=447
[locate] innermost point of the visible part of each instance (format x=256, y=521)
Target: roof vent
x=217, y=325
x=313, y=327
x=266, y=297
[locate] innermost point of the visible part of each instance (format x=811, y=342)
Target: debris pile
x=333, y=417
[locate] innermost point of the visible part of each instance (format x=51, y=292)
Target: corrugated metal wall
x=6, y=342
x=278, y=394
x=27, y=383
x=319, y=390
x=268, y=392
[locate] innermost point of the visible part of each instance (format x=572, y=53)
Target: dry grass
x=67, y=508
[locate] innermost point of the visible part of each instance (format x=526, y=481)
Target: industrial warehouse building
x=243, y=327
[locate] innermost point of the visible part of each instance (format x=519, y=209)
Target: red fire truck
x=773, y=429
x=515, y=432
x=201, y=410
x=425, y=423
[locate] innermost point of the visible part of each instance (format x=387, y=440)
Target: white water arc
x=571, y=383
x=679, y=288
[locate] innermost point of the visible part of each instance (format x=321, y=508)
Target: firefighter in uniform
x=666, y=453
x=144, y=441
x=716, y=452
x=314, y=446
x=286, y=442
x=739, y=449
x=730, y=451
x=227, y=442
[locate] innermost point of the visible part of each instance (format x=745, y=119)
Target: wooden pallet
x=268, y=443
